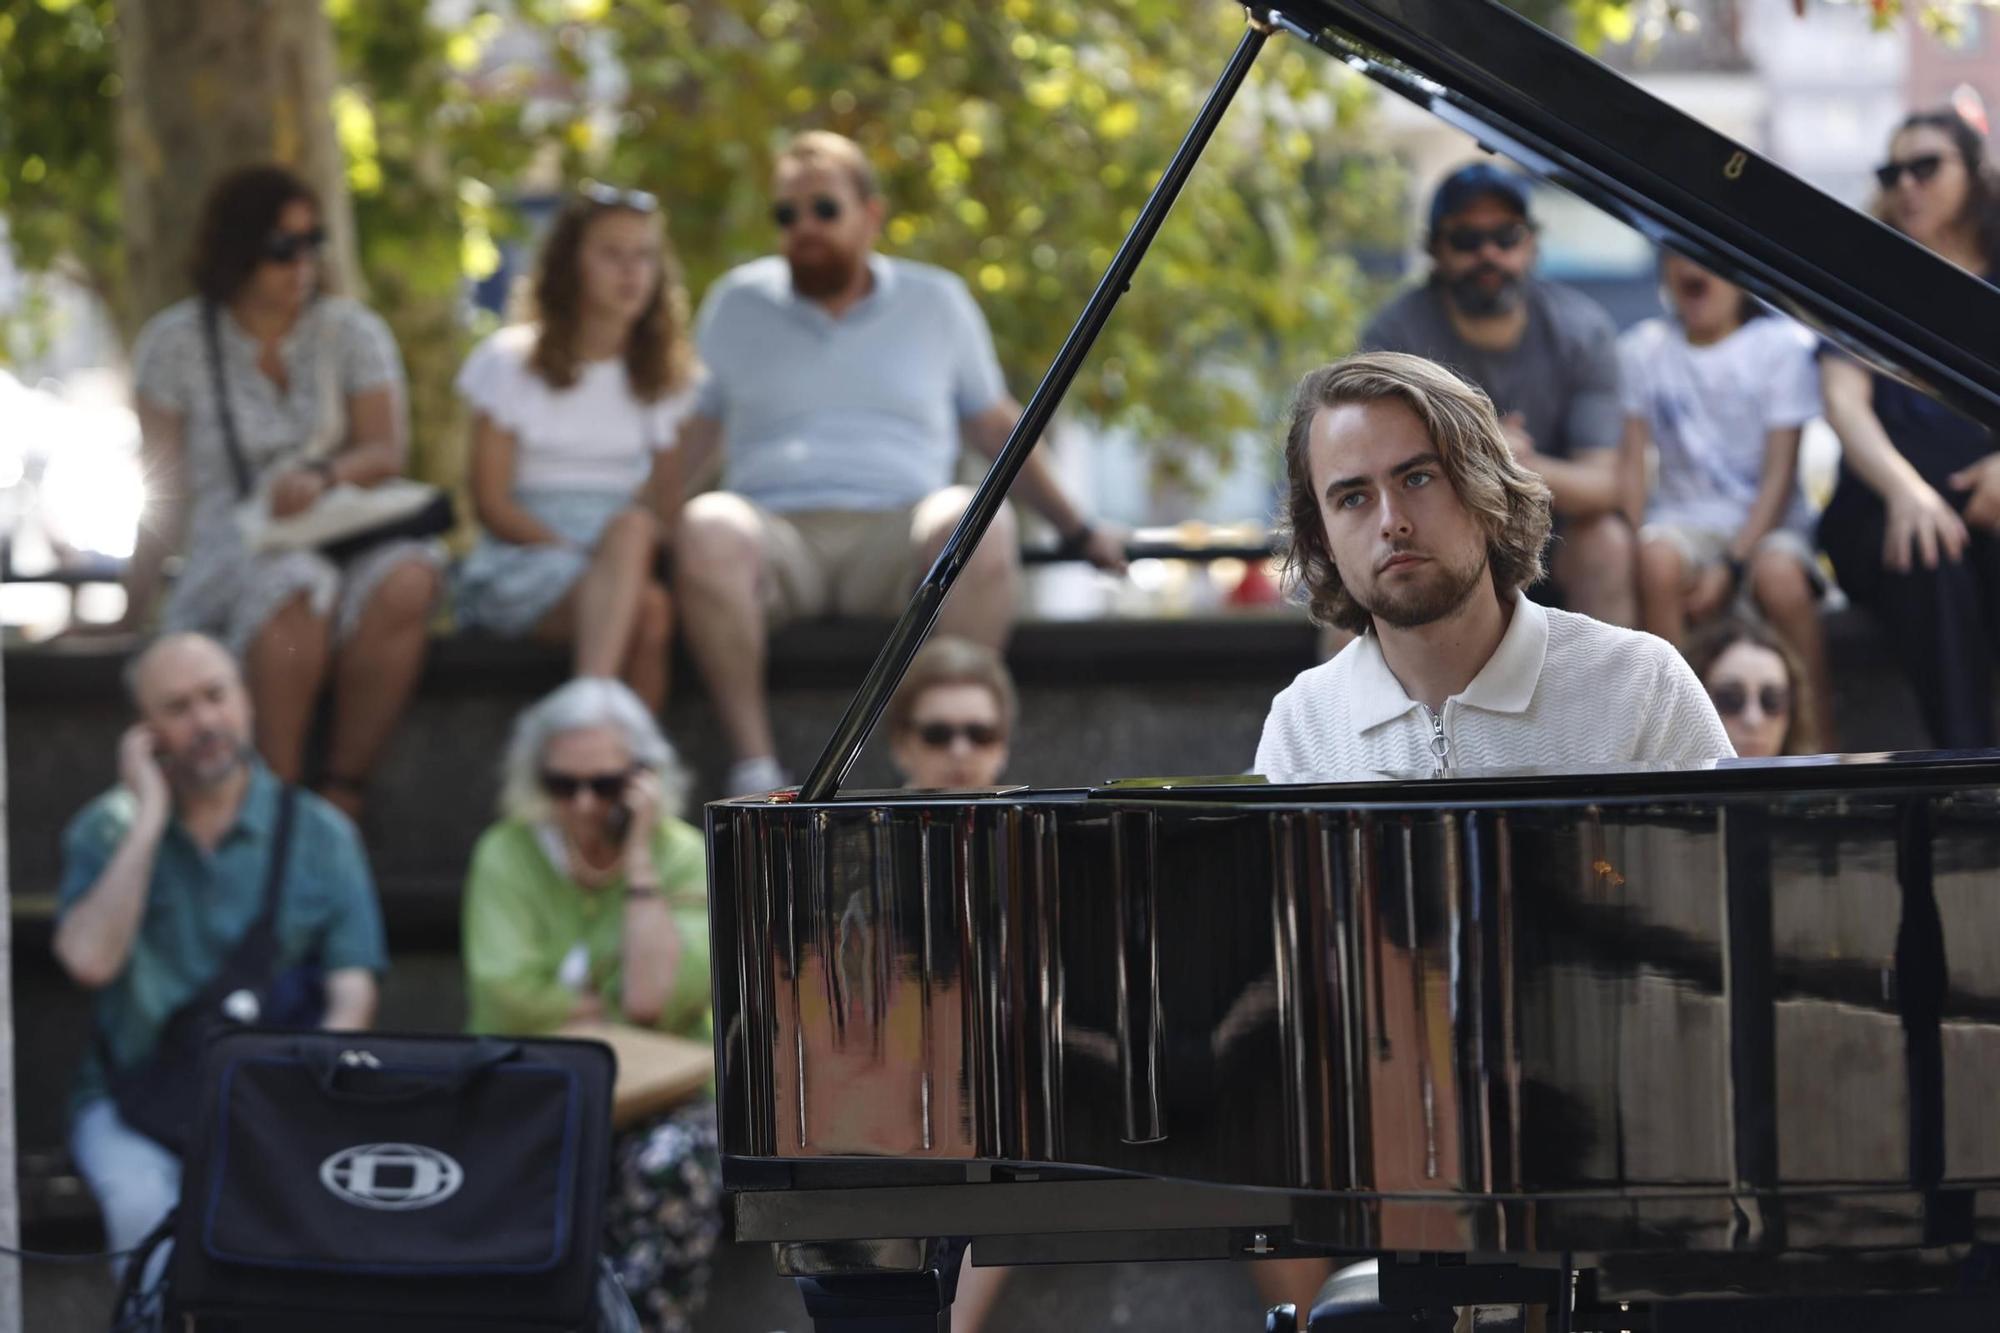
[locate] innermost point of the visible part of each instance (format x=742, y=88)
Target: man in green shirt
x=165, y=873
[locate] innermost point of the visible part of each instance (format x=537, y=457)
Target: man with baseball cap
x=1547, y=357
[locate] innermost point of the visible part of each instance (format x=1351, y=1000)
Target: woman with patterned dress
x=309, y=386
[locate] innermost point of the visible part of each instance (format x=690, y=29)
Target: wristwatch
x=1075, y=540
x=323, y=467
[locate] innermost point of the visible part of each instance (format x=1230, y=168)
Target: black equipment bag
x=395, y=1182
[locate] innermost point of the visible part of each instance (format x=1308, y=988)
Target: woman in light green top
x=589, y=900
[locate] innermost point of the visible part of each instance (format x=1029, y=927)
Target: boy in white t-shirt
x=1723, y=391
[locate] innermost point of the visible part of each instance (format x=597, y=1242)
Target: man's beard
x=205, y=764
x=827, y=273
x=1477, y=302
x=1424, y=601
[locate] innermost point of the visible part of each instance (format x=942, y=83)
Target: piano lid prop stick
x=922, y=612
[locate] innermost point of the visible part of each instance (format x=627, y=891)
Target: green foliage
x=1016, y=142
x=58, y=140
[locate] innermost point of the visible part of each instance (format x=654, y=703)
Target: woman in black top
x=1914, y=525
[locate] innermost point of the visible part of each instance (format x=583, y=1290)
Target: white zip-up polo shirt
x=1562, y=693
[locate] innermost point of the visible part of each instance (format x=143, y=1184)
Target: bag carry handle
x=477, y=1058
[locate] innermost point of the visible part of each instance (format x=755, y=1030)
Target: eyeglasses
x=1470, y=240
x=824, y=207
x=284, y=247
x=610, y=196
x=940, y=735
x=1920, y=168
x=567, y=786
x=1732, y=698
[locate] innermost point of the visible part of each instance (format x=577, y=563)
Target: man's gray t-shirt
x=856, y=413
x=1562, y=377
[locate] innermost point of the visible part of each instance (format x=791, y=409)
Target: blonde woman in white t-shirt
x=1721, y=392
x=571, y=415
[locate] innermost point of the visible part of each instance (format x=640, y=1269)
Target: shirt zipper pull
x=1440, y=745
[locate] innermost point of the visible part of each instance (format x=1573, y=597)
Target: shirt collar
x=1506, y=684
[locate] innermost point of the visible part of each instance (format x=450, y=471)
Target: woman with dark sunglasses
x=588, y=901
x=570, y=412
x=1759, y=689
x=950, y=719
x=1913, y=521
x=256, y=397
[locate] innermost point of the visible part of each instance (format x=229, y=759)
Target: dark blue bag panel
x=377, y=1177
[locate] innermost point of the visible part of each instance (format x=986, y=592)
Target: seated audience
x=256, y=397
x=589, y=901
x=839, y=384
x=1547, y=358
x=162, y=879
x=1757, y=686
x=950, y=719
x=569, y=413
x=1912, y=525
x=1721, y=391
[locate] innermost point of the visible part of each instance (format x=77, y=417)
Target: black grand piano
x=1714, y=1050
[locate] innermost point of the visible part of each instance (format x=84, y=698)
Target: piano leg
x=891, y=1286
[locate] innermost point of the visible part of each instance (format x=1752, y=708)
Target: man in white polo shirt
x=839, y=386
x=1410, y=522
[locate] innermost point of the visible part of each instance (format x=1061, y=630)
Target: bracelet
x=323, y=468
x=635, y=892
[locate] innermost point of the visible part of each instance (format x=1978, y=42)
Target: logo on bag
x=396, y=1177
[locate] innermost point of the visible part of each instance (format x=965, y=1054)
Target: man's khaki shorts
x=838, y=562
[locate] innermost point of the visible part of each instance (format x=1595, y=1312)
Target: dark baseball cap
x=1477, y=180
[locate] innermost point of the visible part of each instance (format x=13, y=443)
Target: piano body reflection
x=1628, y=1046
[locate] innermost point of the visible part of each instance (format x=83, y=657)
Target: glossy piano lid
x=1568, y=119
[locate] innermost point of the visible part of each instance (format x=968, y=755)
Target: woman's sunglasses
x=1921, y=169
x=610, y=196
x=1731, y=699
x=824, y=207
x=604, y=786
x=940, y=735
x=1470, y=240
x=284, y=247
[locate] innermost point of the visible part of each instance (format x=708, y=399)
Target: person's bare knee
x=1662, y=570
x=630, y=539
x=717, y=550
x=1780, y=585
x=406, y=595
x=1601, y=568
x=999, y=552
x=937, y=517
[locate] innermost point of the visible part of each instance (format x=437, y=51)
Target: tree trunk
x=209, y=86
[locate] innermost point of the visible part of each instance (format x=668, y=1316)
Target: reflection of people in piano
x=1755, y=681
x=1410, y=522
x=589, y=901
x=949, y=720
x=1547, y=357
x=1911, y=526
x=839, y=386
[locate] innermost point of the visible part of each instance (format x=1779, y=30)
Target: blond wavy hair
x=1510, y=503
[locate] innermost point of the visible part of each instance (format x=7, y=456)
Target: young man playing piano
x=1410, y=522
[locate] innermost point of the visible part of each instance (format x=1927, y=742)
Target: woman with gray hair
x=589, y=900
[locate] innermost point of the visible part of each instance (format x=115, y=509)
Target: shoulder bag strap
x=252, y=956
x=238, y=463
